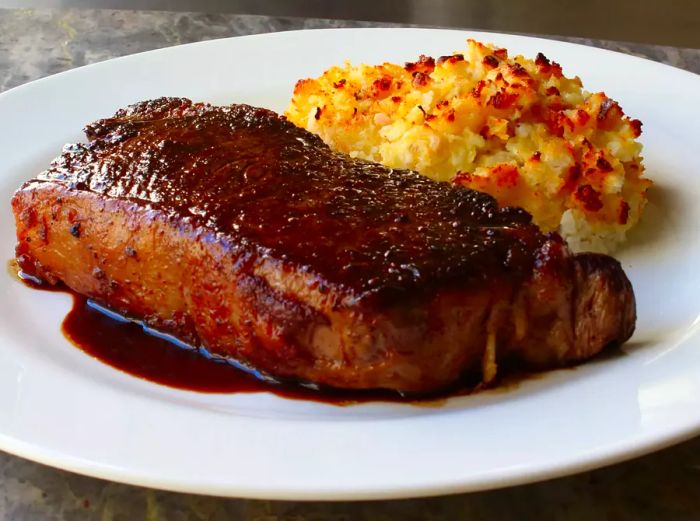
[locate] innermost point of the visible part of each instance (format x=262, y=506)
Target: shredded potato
x=513, y=127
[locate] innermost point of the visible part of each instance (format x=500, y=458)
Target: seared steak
x=235, y=230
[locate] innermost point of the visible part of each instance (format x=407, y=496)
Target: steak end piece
x=233, y=229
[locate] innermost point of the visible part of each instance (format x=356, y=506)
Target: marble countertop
x=37, y=43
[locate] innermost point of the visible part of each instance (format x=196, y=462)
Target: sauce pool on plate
x=125, y=345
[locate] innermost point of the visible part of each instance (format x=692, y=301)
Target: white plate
x=61, y=407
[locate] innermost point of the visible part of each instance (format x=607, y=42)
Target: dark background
x=668, y=22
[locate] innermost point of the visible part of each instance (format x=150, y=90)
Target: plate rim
x=82, y=467
x=275, y=34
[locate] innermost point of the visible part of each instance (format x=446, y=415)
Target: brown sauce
x=127, y=346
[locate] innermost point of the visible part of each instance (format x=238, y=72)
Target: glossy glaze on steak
x=237, y=231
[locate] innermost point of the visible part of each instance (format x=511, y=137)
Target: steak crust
x=234, y=230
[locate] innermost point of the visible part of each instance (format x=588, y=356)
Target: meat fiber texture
x=238, y=232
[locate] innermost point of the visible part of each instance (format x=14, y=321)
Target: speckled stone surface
x=36, y=43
